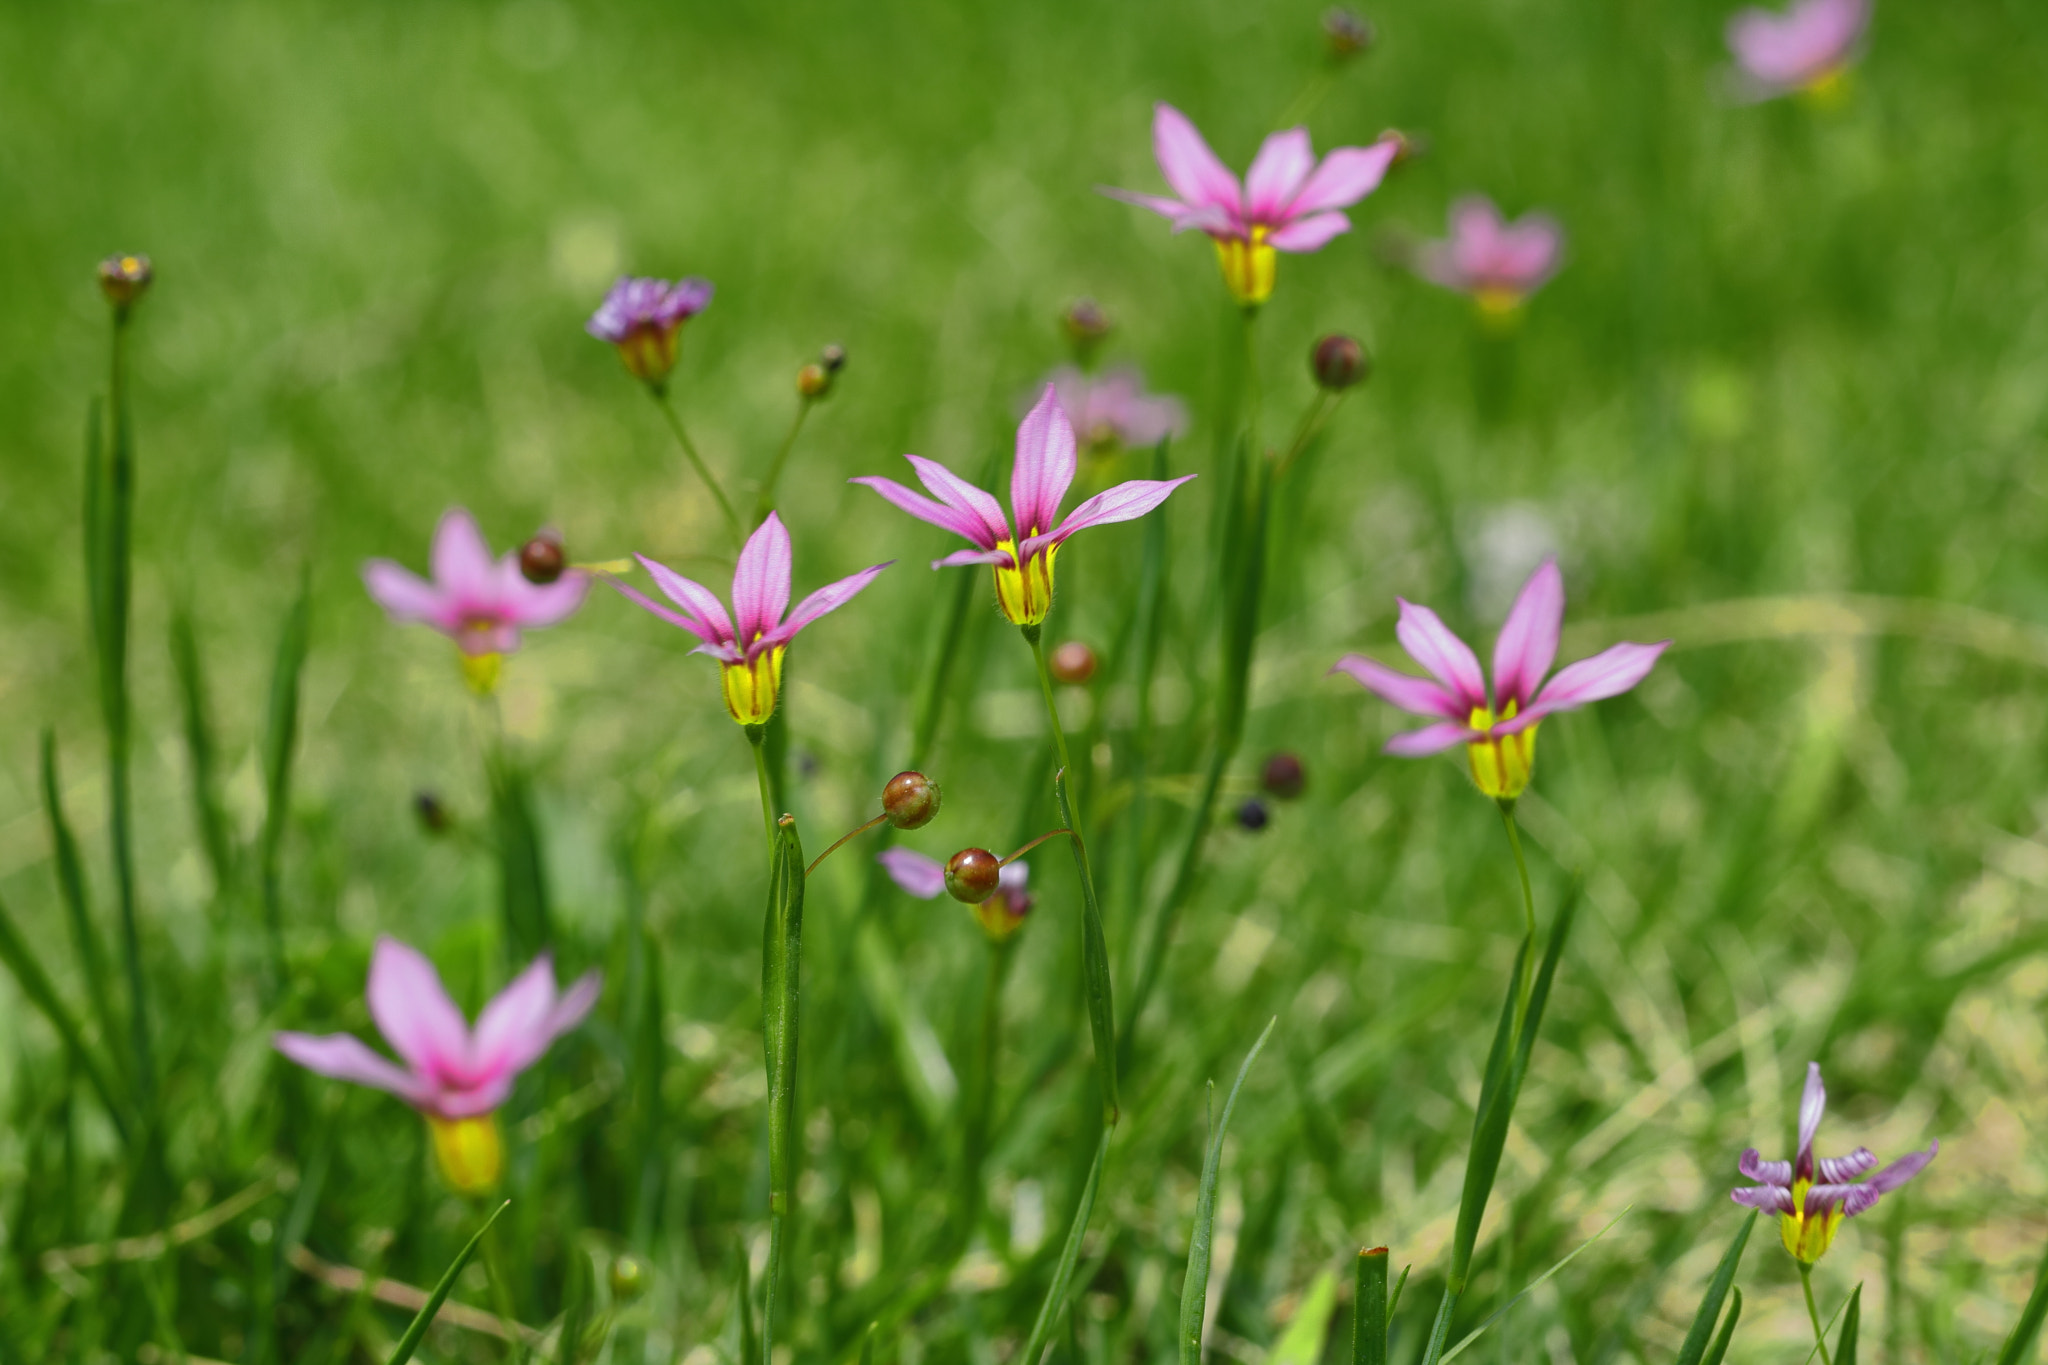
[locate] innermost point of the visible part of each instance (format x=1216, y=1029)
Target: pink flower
x=1112, y=409
x=642, y=318
x=1805, y=48
x=1044, y=469
x=1498, y=263
x=1811, y=1198
x=749, y=654
x=1287, y=201
x=479, y=602
x=1500, y=732
x=925, y=878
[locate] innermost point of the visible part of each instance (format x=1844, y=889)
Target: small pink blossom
x=643, y=319
x=1805, y=48
x=1112, y=408
x=450, y=1070
x=1498, y=263
x=479, y=602
x=1287, y=201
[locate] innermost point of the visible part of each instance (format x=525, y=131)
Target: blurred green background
x=1797, y=352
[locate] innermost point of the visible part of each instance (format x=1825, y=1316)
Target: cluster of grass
x=1785, y=405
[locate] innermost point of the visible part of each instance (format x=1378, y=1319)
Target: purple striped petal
x=461, y=560
x=829, y=598
x=760, y=582
x=1430, y=739
x=1449, y=660
x=1769, y=1198
x=1528, y=640
x=1347, y=175
x=962, y=496
x=1836, y=1170
x=924, y=509
x=1753, y=1166
x=348, y=1058
x=1045, y=465
x=1125, y=502
x=1312, y=233
x=698, y=602
x=413, y=1012
x=1417, y=696
x=1277, y=174
x=1902, y=1170
x=1813, y=1100
x=922, y=877
x=1194, y=171
x=1850, y=1199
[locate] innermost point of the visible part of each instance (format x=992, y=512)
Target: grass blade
x=1720, y=1348
x=522, y=870
x=1194, y=1293
x=1532, y=1286
x=1070, y=1254
x=1702, y=1330
x=424, y=1319
x=781, y=960
x=1309, y=1329
x=1369, y=1309
x=1852, y=1321
x=199, y=749
x=35, y=984
x=280, y=739
x=85, y=938
x=2020, y=1345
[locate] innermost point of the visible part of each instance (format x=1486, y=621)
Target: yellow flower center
x=996, y=920
x=1248, y=266
x=481, y=672
x=751, y=688
x=1828, y=90
x=1501, y=767
x=1500, y=309
x=1025, y=592
x=1807, y=1238
x=470, y=1151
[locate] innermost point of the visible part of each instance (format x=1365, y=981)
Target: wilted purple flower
x=642, y=318
x=1112, y=409
x=1498, y=263
x=1500, y=732
x=1808, y=47
x=1001, y=914
x=1287, y=201
x=1811, y=1198
x=453, y=1074
x=1044, y=470
x=749, y=655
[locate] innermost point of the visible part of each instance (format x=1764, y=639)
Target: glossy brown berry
x=972, y=875
x=1283, y=776
x=910, y=800
x=541, y=559
x=1073, y=662
x=1338, y=362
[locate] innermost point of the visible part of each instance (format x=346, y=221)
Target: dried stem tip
x=1085, y=324
x=911, y=800
x=972, y=875
x=124, y=279
x=541, y=559
x=1347, y=33
x=1338, y=362
x=1073, y=663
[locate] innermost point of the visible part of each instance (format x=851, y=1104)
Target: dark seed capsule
x=833, y=358
x=972, y=875
x=1347, y=33
x=1085, y=323
x=1283, y=776
x=911, y=800
x=1253, y=815
x=1338, y=362
x=541, y=559
x=432, y=814
x=1073, y=662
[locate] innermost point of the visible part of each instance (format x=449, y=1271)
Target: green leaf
x=2019, y=1346
x=199, y=749
x=1302, y=1342
x=280, y=739
x=1531, y=1287
x=35, y=984
x=867, y=1344
x=1070, y=1254
x=576, y=1291
x=1194, y=1293
x=1852, y=1320
x=1720, y=1348
x=424, y=1319
x=1702, y=1329
x=85, y=937
x=522, y=870
x=1094, y=956
x=1369, y=1309
x=781, y=961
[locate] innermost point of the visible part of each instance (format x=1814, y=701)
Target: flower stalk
x=659, y=392
x=1820, y=1336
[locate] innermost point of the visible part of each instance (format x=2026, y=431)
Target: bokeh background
x=1788, y=400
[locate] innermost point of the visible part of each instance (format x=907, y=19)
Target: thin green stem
x=1319, y=410
x=1507, y=815
x=847, y=837
x=757, y=738
x=764, y=502
x=1251, y=380
x=1820, y=1336
x=675, y=424
x=1049, y=834
x=981, y=1102
x=502, y=1302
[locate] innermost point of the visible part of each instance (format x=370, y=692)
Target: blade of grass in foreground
x=1852, y=1321
x=1532, y=1286
x=1720, y=1348
x=35, y=984
x=1194, y=1292
x=1702, y=1331
x=1369, y=1309
x=92, y=954
x=2020, y=1345
x=1063, y=1274
x=424, y=1319
x=199, y=749
x=280, y=739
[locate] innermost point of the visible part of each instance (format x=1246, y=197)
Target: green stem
x=757, y=737
x=1312, y=422
x=981, y=1103
x=502, y=1302
x=1251, y=380
x=675, y=424
x=1507, y=815
x=764, y=502
x=1820, y=1336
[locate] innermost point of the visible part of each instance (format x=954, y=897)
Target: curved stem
x=1507, y=815
x=764, y=501
x=1311, y=422
x=1049, y=834
x=1820, y=1336
x=851, y=834
x=675, y=424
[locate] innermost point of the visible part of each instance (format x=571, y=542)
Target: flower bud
x=541, y=559
x=433, y=816
x=629, y=1278
x=972, y=875
x=1338, y=362
x=1283, y=776
x=833, y=358
x=1253, y=815
x=1347, y=33
x=911, y=800
x=1073, y=662
x=1085, y=324
x=1407, y=146
x=124, y=279
x=813, y=381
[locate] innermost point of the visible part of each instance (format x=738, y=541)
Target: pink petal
x=1312, y=233
x=1044, y=468
x=1194, y=171
x=1276, y=175
x=1806, y=42
x=544, y=604
x=1769, y=1198
x=1014, y=878
x=675, y=618
x=347, y=1058
x=413, y=1012
x=1169, y=208
x=1430, y=739
x=576, y=1003
x=697, y=601
x=1530, y=252
x=511, y=1033
x=962, y=496
x=829, y=598
x=924, y=509
x=462, y=1102
x=1902, y=1170
x=1528, y=640
x=1417, y=696
x=462, y=562
x=1124, y=502
x=1346, y=176
x=1447, y=658
x=1609, y=673
x=960, y=557
x=1212, y=219
x=403, y=594
x=1753, y=1166
x=760, y=581
x=1813, y=1103
x=922, y=877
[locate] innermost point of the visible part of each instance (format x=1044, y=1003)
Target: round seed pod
x=1284, y=776
x=541, y=559
x=1073, y=662
x=1253, y=815
x=910, y=800
x=1338, y=362
x=972, y=875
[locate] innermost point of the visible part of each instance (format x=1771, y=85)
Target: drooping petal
x=1902, y=1170
x=922, y=877
x=1850, y=1199
x=543, y=604
x=1125, y=502
x=1276, y=175
x=576, y=1003
x=404, y=595
x=712, y=644
x=413, y=1012
x=1813, y=1104
x=348, y=1058
x=1609, y=673
x=1170, y=208
x=1045, y=465
x=1437, y=648
x=1417, y=696
x=697, y=601
x=1430, y=739
x=511, y=1032
x=1769, y=1198
x=1836, y=1170
x=1753, y=1166
x=829, y=598
x=1312, y=233
x=960, y=557
x=1195, y=172
x=1528, y=639
x=462, y=563
x=954, y=491
x=1346, y=176
x=924, y=509
x=760, y=582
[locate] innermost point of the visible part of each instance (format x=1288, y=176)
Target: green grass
x=1796, y=352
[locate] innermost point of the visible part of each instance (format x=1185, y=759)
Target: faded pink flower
x=1112, y=409
x=479, y=602
x=1498, y=263
x=1808, y=47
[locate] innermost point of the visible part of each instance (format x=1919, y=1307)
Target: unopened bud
x=833, y=358
x=1338, y=362
x=1073, y=662
x=1253, y=815
x=1085, y=324
x=124, y=279
x=1283, y=776
x=911, y=800
x=541, y=559
x=814, y=381
x=1347, y=33
x=629, y=1278
x=1407, y=146
x=433, y=816
x=972, y=875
